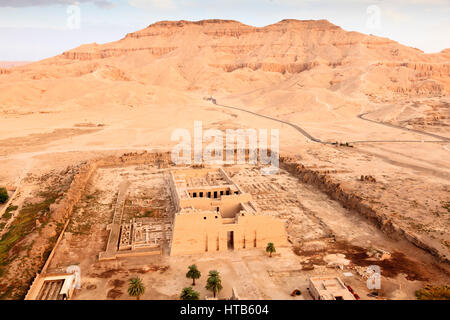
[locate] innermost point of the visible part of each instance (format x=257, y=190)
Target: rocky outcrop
x=111, y=52
x=269, y=67
x=422, y=69
x=412, y=78
x=230, y=28
x=168, y=28
x=367, y=178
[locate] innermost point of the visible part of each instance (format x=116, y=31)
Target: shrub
x=3, y=195
x=9, y=211
x=433, y=293
x=189, y=294
x=270, y=248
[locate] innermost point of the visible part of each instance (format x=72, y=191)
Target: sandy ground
x=412, y=178
x=62, y=111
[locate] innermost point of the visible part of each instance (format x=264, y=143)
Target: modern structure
x=58, y=286
x=329, y=288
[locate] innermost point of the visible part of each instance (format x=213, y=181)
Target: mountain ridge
x=288, y=58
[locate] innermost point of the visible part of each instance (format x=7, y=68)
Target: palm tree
x=136, y=288
x=270, y=249
x=189, y=294
x=193, y=273
x=214, y=283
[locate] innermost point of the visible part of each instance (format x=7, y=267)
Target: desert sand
x=389, y=102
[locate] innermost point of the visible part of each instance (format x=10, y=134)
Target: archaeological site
x=163, y=150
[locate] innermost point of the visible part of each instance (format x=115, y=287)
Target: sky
x=32, y=30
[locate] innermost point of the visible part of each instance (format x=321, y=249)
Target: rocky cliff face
x=353, y=201
x=291, y=40
x=287, y=47
x=228, y=56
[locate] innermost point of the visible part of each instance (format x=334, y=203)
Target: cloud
x=36, y=3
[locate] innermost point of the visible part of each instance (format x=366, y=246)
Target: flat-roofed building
x=329, y=288
x=57, y=286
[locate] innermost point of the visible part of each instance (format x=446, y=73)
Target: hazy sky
x=37, y=29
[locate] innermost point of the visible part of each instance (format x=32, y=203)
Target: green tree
x=189, y=294
x=270, y=248
x=214, y=283
x=136, y=288
x=193, y=273
x=3, y=195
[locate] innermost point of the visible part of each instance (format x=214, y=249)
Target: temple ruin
x=214, y=214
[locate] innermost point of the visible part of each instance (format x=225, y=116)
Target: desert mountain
x=11, y=64
x=293, y=64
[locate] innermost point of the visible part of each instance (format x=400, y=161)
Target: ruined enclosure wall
x=173, y=191
x=80, y=180
x=352, y=201
x=77, y=188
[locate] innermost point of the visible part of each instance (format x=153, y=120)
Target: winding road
x=361, y=116
x=296, y=127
